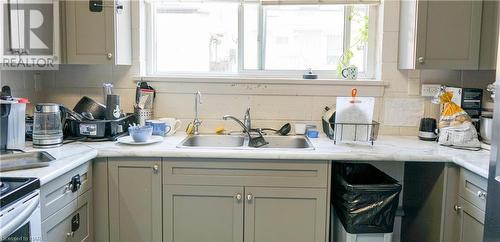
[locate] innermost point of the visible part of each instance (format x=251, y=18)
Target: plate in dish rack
x=129, y=141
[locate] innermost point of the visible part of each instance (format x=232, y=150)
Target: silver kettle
x=47, y=126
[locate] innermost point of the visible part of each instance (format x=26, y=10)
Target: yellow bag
x=452, y=115
x=455, y=125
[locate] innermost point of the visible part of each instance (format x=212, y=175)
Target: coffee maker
x=12, y=115
x=4, y=125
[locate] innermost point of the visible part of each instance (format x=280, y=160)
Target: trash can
x=365, y=199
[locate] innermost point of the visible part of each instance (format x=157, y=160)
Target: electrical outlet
x=430, y=90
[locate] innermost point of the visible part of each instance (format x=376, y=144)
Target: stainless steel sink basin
x=212, y=141
x=241, y=142
x=26, y=160
x=288, y=142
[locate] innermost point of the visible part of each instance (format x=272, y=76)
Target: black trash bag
x=365, y=198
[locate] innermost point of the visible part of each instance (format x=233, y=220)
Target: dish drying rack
x=335, y=131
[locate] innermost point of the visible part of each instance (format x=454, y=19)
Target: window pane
x=302, y=37
x=196, y=37
x=251, y=36
x=359, y=36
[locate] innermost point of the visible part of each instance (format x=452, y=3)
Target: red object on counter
x=23, y=100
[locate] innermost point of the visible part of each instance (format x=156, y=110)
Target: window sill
x=261, y=80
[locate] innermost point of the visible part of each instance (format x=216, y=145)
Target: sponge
x=219, y=130
x=190, y=129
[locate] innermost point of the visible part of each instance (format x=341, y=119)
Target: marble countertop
x=386, y=148
x=67, y=157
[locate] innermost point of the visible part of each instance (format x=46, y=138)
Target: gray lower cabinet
x=72, y=223
x=285, y=214
x=135, y=209
x=245, y=200
x=464, y=210
x=471, y=222
x=232, y=214
x=203, y=213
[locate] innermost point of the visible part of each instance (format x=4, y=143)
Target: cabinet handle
x=421, y=60
x=481, y=194
x=457, y=208
x=155, y=169
x=109, y=56
x=249, y=197
x=238, y=196
x=70, y=234
x=68, y=188
x=118, y=6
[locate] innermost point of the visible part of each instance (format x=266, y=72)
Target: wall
x=22, y=84
x=272, y=103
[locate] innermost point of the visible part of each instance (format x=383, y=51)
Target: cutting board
x=354, y=110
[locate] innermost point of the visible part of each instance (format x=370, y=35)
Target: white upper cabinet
x=444, y=35
x=97, y=32
x=30, y=32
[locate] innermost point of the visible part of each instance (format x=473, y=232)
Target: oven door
x=21, y=221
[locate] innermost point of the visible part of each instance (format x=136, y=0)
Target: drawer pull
x=238, y=196
x=457, y=208
x=481, y=194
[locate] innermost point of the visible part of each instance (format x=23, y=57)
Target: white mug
x=300, y=128
x=175, y=124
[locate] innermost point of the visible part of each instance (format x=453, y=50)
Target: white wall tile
x=390, y=47
x=391, y=15
x=282, y=107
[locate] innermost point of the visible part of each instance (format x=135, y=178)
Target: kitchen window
x=261, y=39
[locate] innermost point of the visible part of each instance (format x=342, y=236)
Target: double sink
x=241, y=142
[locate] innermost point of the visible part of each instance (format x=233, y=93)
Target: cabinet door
x=89, y=35
x=72, y=223
x=285, y=214
x=451, y=221
x=202, y=213
x=471, y=222
x=134, y=199
x=448, y=34
x=489, y=35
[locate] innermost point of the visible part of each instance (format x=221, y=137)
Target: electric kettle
x=47, y=126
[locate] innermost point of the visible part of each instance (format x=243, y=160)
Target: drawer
x=57, y=193
x=276, y=173
x=58, y=226
x=473, y=188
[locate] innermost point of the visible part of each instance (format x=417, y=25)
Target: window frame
x=370, y=58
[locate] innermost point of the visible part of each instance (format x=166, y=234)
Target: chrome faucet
x=255, y=142
x=247, y=120
x=245, y=128
x=197, y=121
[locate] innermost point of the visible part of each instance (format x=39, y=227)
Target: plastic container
x=341, y=235
x=16, y=135
x=365, y=198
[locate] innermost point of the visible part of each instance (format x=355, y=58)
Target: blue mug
x=160, y=128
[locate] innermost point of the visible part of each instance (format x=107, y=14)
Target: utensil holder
x=143, y=115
